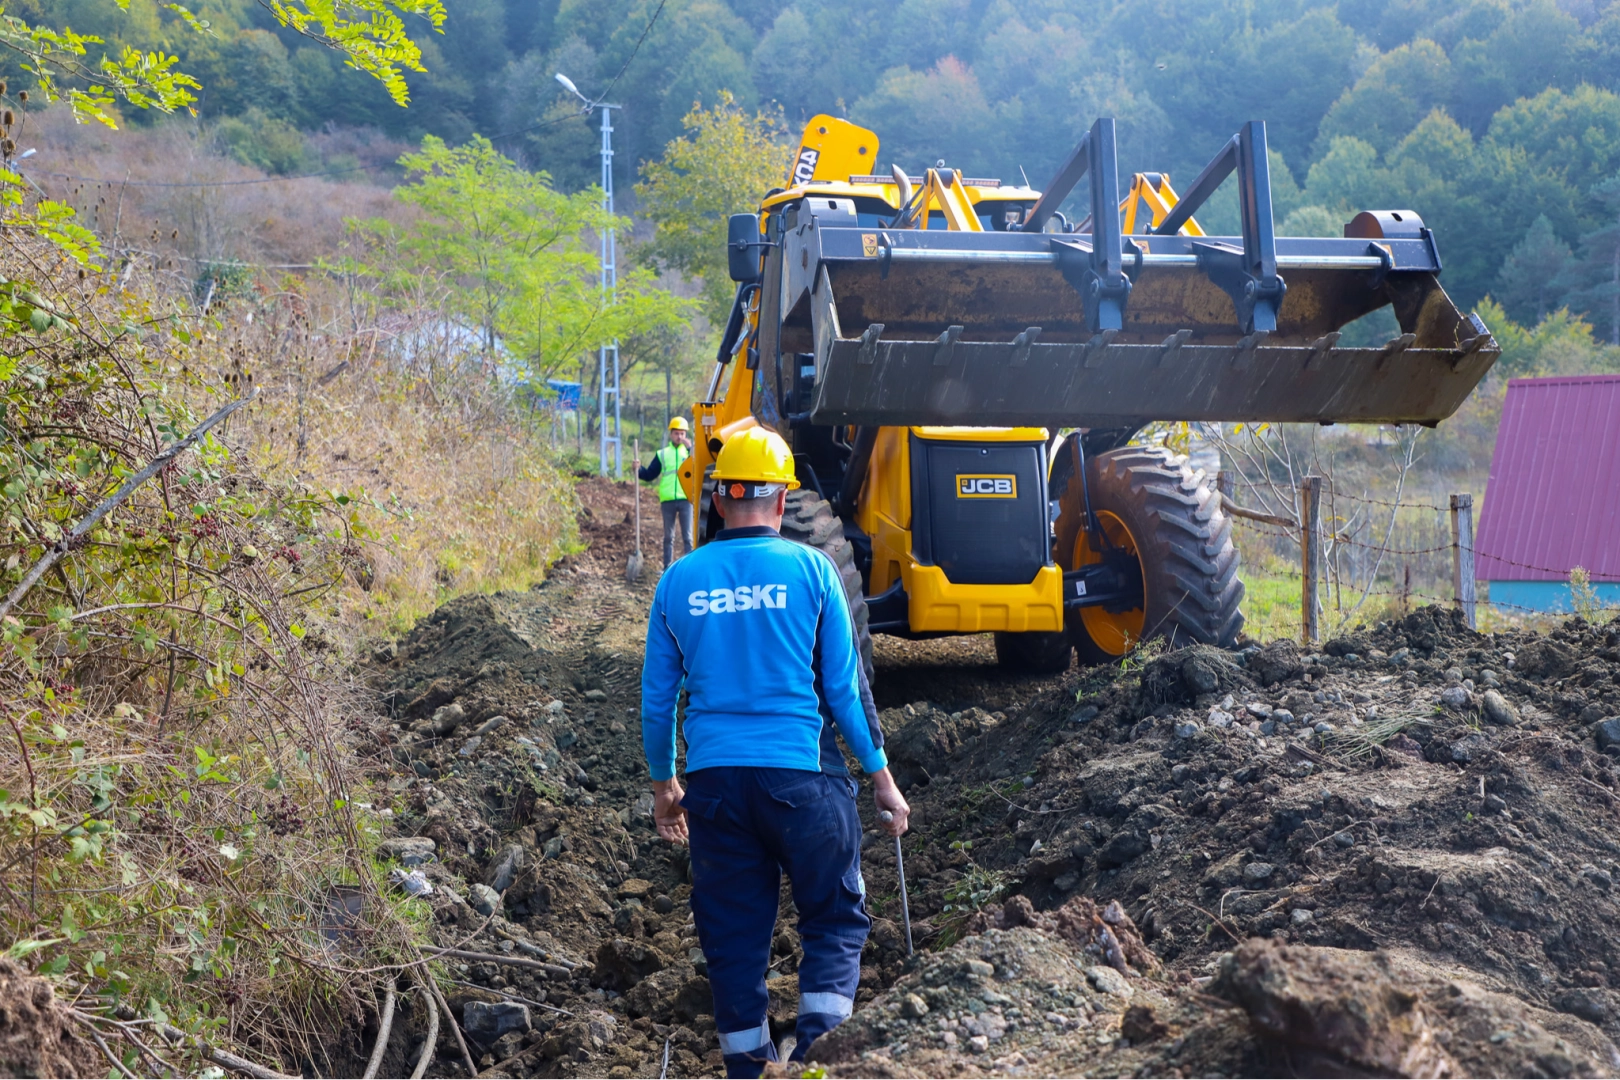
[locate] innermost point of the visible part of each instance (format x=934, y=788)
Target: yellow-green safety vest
x=669, y=480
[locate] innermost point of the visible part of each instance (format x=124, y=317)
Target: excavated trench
x=1395, y=856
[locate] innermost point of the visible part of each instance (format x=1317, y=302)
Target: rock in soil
x=487, y=1022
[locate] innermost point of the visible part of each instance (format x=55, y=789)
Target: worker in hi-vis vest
x=665, y=467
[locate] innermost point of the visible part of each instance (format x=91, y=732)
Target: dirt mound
x=37, y=1038
x=1024, y=1002
x=1327, y=1012
x=1413, y=787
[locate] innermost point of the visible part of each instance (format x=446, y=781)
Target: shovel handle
x=900, y=870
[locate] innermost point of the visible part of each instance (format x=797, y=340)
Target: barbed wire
x=1599, y=577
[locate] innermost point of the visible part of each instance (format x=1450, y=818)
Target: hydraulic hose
x=860, y=459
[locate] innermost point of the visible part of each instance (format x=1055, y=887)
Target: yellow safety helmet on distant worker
x=752, y=459
x=679, y=424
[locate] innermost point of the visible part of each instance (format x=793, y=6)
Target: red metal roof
x=1553, y=501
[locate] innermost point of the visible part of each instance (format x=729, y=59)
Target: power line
x=591, y=107
x=632, y=56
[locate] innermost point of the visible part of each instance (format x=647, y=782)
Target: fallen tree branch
x=102, y=1044
x=1255, y=515
x=432, y=1040
x=450, y=1017
x=384, y=1029
x=126, y=1031
x=240, y=1065
x=112, y=502
x=224, y=1059
x=176, y=1037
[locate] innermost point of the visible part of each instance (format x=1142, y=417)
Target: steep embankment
x=1412, y=833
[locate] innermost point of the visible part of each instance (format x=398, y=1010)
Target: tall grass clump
x=392, y=402
x=185, y=825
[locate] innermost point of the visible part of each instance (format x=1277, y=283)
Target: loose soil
x=1392, y=856
x=37, y=1035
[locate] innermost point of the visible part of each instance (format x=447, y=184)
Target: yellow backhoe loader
x=920, y=340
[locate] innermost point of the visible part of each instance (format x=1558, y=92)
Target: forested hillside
x=1497, y=120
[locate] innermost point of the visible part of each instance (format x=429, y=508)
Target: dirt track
x=1422, y=887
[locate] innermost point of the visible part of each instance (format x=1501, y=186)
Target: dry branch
x=496, y=958
x=1255, y=515
x=384, y=1029
x=125, y=490
x=450, y=1018
x=432, y=1039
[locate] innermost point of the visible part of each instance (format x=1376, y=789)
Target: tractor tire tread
x=1184, y=540
x=810, y=521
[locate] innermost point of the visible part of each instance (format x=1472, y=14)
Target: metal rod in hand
x=900, y=869
x=637, y=487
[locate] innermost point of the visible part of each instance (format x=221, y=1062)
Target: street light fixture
x=568, y=85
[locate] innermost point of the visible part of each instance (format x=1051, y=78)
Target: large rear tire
x=1150, y=502
x=810, y=520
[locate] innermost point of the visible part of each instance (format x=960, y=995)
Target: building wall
x=1547, y=596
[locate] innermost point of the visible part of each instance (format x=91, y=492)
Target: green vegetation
x=976, y=889
x=119, y=55
x=1497, y=120
x=185, y=827
x=519, y=258
x=721, y=167
x=174, y=811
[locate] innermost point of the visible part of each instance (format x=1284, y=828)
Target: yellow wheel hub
x=1112, y=632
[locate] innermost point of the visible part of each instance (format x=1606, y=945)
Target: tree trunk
x=669, y=391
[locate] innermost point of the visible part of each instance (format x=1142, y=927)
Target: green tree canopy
x=520, y=258
x=95, y=75
x=726, y=161
x=1531, y=275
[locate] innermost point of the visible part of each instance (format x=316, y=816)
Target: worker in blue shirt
x=757, y=630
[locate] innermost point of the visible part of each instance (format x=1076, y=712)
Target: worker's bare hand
x=667, y=812
x=886, y=794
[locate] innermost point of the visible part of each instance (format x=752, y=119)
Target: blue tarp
x=567, y=393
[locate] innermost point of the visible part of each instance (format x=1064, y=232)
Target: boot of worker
x=749, y=1064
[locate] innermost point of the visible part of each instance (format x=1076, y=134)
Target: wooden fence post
x=1462, y=554
x=1310, y=551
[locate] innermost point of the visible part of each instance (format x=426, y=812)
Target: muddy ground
x=1395, y=856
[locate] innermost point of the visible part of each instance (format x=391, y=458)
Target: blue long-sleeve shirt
x=758, y=631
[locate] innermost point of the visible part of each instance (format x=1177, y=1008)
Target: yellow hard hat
x=757, y=456
x=679, y=424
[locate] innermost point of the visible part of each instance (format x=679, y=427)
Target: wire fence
x=1411, y=554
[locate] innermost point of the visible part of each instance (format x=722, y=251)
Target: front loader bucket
x=1101, y=329
x=1006, y=343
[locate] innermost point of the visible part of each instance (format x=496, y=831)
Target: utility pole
x=608, y=355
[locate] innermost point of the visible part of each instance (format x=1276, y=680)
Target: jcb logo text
x=741, y=598
x=999, y=486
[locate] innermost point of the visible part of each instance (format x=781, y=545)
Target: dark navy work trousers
x=747, y=826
